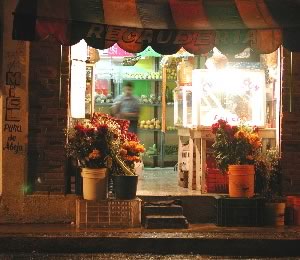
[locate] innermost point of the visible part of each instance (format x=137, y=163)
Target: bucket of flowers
x=269, y=184
x=235, y=149
x=97, y=146
x=125, y=151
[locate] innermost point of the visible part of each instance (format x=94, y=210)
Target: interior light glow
x=232, y=94
x=79, y=51
x=78, y=79
x=78, y=86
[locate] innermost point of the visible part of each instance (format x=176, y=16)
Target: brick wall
x=290, y=123
x=1, y=37
x=48, y=114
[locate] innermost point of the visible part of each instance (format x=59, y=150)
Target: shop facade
x=35, y=79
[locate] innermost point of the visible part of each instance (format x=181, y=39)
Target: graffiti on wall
x=13, y=102
x=12, y=110
x=12, y=143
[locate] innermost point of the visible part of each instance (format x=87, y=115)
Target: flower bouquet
x=124, y=148
x=103, y=143
x=238, y=145
x=236, y=149
x=269, y=175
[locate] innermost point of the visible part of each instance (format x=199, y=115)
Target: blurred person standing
x=126, y=106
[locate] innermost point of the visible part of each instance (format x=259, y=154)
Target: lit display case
x=235, y=95
x=183, y=106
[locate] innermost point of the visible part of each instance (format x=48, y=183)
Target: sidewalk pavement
x=206, y=239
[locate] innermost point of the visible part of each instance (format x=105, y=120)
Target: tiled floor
x=161, y=182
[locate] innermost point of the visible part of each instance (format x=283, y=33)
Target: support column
x=14, y=116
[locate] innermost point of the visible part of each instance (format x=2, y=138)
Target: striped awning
x=165, y=25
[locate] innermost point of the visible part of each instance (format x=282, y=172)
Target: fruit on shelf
x=143, y=75
x=150, y=124
x=149, y=100
x=151, y=75
x=101, y=98
x=171, y=128
x=154, y=124
x=152, y=99
x=172, y=73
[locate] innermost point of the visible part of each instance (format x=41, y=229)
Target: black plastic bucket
x=125, y=186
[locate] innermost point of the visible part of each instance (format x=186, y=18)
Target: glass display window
x=183, y=101
x=235, y=95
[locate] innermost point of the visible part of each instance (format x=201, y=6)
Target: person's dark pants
x=133, y=126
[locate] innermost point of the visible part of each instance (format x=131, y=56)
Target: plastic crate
x=108, y=213
x=215, y=181
x=239, y=211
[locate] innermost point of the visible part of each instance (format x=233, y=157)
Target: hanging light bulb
x=217, y=61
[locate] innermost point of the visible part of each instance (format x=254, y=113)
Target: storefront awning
x=165, y=25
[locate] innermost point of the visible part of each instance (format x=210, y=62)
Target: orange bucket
x=274, y=214
x=297, y=211
x=289, y=210
x=241, y=180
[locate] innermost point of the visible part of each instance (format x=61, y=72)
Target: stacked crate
x=183, y=172
x=248, y=212
x=183, y=180
x=183, y=168
x=108, y=213
x=216, y=182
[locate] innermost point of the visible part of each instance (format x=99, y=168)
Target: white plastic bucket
x=94, y=183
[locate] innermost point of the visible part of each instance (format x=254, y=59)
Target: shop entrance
x=244, y=87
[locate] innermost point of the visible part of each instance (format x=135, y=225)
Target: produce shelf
x=150, y=105
x=131, y=79
x=157, y=130
x=155, y=105
x=153, y=155
x=103, y=104
x=152, y=130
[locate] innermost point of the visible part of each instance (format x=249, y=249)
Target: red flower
x=234, y=129
x=124, y=124
x=131, y=137
x=255, y=129
x=83, y=129
x=222, y=123
x=214, y=128
x=79, y=127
